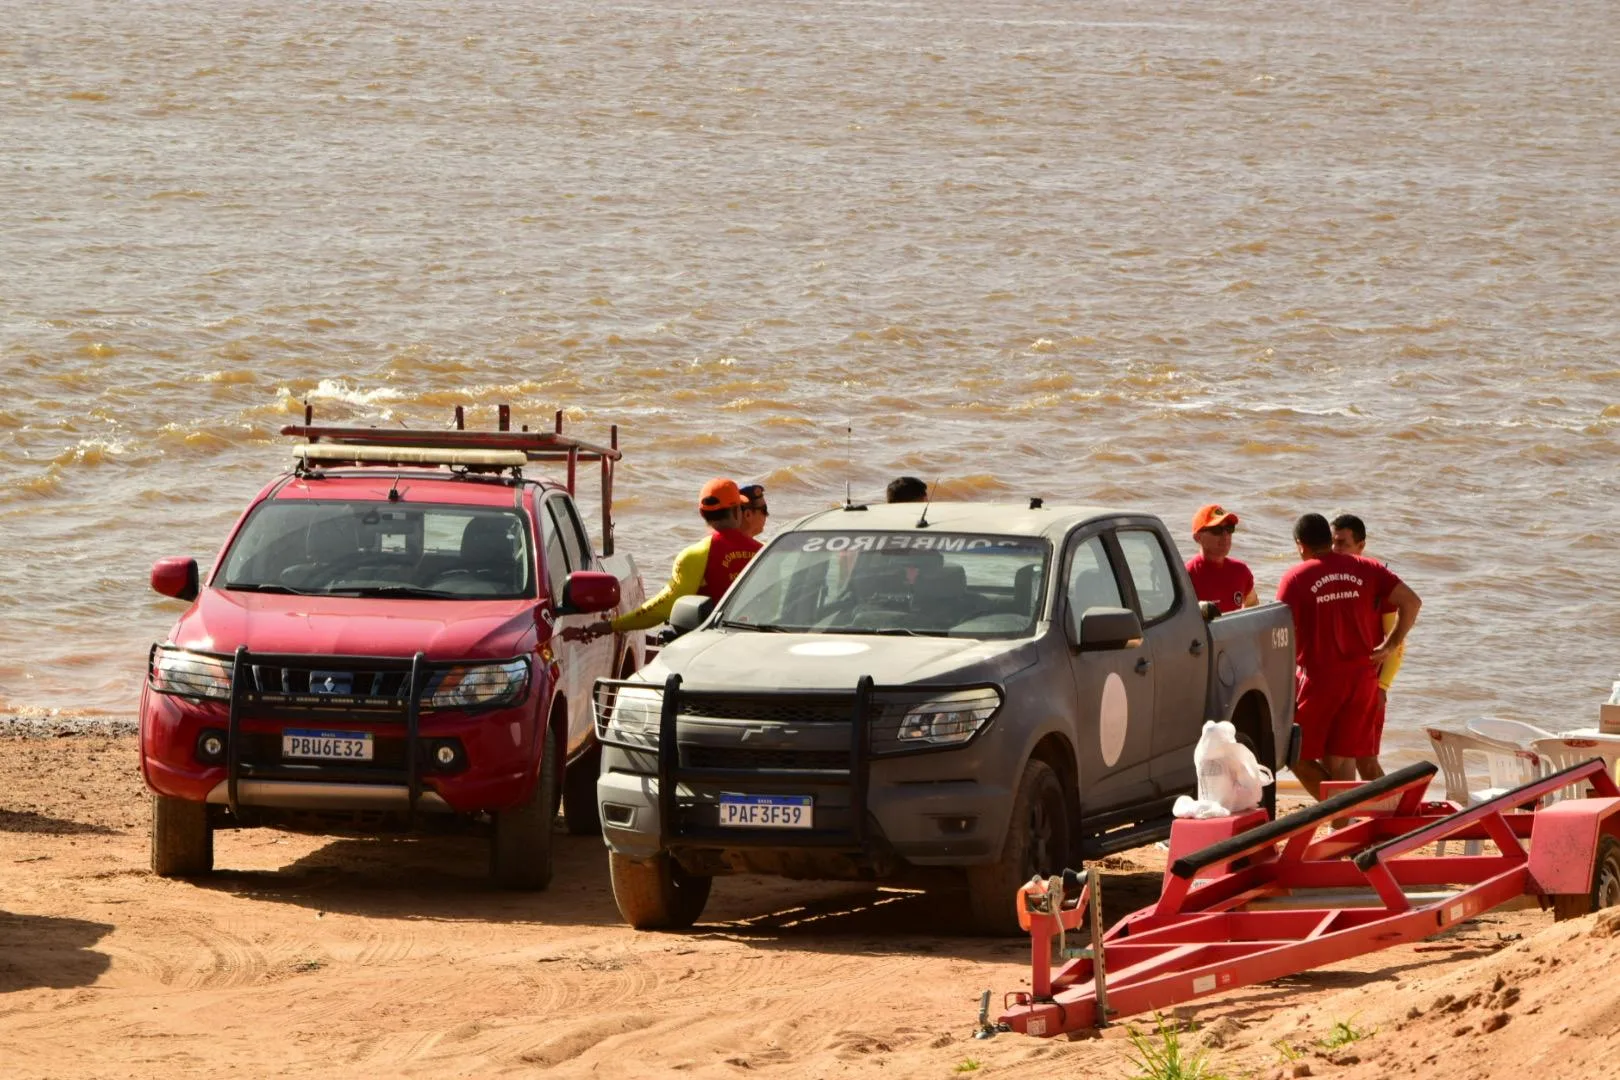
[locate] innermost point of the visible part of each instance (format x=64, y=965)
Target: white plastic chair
x=1562, y=751
x=1507, y=768
x=1515, y=733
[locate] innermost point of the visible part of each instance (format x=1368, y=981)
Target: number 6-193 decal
x=1279, y=637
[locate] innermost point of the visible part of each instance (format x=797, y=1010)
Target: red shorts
x=1340, y=715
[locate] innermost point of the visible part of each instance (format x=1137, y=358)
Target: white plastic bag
x=1230, y=780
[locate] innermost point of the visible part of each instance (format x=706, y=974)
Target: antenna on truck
x=928, y=500
x=849, y=458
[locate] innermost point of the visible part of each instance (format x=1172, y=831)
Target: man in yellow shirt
x=707, y=568
x=1350, y=537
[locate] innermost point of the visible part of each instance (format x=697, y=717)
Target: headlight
x=948, y=720
x=632, y=711
x=478, y=685
x=189, y=674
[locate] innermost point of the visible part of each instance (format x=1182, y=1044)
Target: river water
x=1287, y=256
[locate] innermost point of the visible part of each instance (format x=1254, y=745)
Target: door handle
x=1196, y=647
x=1142, y=665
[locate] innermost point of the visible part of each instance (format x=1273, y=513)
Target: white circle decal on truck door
x=1113, y=718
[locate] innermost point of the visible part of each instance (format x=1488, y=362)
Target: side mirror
x=587, y=591
x=1105, y=628
x=175, y=576
x=689, y=613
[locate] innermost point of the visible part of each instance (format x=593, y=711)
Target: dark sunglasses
x=760, y=509
x=1227, y=529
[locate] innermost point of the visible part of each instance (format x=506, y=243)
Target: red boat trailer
x=1277, y=899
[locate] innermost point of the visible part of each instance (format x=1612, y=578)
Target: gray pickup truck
x=999, y=688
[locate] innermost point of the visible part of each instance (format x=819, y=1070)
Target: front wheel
x=182, y=837
x=1037, y=843
x=520, y=848
x=655, y=893
x=1605, y=890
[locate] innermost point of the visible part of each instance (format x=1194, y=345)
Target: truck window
x=375, y=549
x=1091, y=579
x=945, y=584
x=1150, y=572
x=575, y=542
x=556, y=552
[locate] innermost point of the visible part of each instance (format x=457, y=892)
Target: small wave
x=97, y=349
x=87, y=95
x=229, y=378
x=40, y=486
x=93, y=451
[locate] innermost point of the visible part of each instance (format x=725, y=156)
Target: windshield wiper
x=764, y=628
x=403, y=590
x=887, y=631
x=262, y=586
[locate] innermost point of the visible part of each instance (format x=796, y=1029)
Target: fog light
x=443, y=755
x=211, y=747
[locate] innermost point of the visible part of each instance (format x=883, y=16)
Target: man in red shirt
x=1216, y=576
x=1339, y=643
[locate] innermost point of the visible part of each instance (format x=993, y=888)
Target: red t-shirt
x=1225, y=583
x=729, y=552
x=1336, y=600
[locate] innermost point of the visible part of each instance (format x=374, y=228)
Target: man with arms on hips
x=1339, y=643
x=1216, y=576
x=707, y=568
x=1350, y=537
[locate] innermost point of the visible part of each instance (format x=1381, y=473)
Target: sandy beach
x=337, y=957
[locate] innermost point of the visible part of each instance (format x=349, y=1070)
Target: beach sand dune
x=341, y=957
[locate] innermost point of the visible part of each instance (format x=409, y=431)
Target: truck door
x=1114, y=690
x=1178, y=642
x=566, y=548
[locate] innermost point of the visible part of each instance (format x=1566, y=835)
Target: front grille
x=719, y=757
x=347, y=687
x=830, y=709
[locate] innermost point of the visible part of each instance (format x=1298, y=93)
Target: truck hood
x=749, y=660
x=356, y=626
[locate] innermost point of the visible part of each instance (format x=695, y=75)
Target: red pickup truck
x=378, y=645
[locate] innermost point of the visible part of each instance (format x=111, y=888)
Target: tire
x=580, y=811
x=182, y=838
x=1605, y=890
x=1039, y=840
x=656, y=894
x=520, y=848
x=1268, y=794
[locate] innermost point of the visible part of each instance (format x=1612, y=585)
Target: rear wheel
x=182, y=838
x=656, y=894
x=580, y=811
x=1038, y=843
x=520, y=848
x=1605, y=890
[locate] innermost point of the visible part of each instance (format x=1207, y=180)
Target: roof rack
x=458, y=447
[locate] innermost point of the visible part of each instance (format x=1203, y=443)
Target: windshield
x=948, y=584
x=381, y=549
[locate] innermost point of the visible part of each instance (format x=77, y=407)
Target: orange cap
x=721, y=493
x=1212, y=516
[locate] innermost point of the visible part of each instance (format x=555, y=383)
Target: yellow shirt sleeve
x=1392, y=663
x=685, y=580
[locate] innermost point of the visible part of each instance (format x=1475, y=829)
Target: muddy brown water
x=1289, y=257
